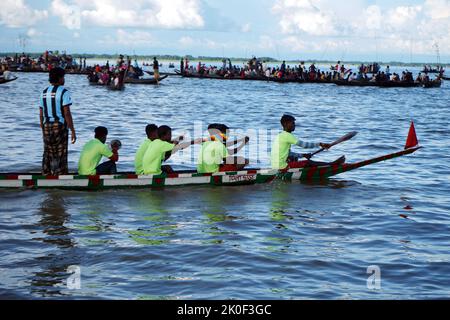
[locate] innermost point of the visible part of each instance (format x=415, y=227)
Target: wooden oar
x=348, y=136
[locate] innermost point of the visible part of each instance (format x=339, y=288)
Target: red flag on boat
x=411, y=141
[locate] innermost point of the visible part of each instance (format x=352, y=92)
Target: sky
x=366, y=30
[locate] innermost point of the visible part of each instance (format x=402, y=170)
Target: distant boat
x=2, y=80
x=432, y=84
x=144, y=81
x=171, y=65
x=432, y=70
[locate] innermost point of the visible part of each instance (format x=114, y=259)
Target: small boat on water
x=3, y=80
x=446, y=78
x=108, y=86
x=432, y=84
x=144, y=81
x=185, y=178
x=171, y=65
x=431, y=71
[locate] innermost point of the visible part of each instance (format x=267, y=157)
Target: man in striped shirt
x=282, y=158
x=55, y=119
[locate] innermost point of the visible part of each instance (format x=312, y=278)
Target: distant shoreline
x=174, y=58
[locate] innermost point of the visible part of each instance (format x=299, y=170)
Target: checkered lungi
x=56, y=139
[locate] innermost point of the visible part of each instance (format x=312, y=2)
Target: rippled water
x=275, y=241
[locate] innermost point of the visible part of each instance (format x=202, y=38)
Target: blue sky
x=286, y=29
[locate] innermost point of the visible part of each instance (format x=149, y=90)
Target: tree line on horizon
x=214, y=58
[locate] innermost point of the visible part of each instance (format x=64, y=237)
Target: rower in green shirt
x=94, y=150
x=282, y=158
x=161, y=149
x=214, y=155
x=152, y=134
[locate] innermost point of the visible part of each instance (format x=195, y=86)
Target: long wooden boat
x=175, y=73
x=252, y=78
x=2, y=80
x=431, y=71
x=355, y=83
x=384, y=84
x=185, y=178
x=144, y=81
x=399, y=84
x=31, y=70
x=445, y=78
x=219, y=77
x=432, y=84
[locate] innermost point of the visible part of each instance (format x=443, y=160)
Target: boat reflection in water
x=61, y=249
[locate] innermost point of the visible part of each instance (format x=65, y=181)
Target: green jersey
x=138, y=159
x=92, y=153
x=155, y=155
x=211, y=156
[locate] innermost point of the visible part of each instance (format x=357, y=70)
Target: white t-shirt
x=7, y=75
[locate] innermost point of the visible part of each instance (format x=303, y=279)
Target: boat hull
x=386, y=84
x=121, y=181
x=318, y=174
x=432, y=84
x=2, y=81
x=246, y=177
x=144, y=81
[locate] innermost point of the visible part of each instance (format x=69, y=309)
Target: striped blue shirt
x=53, y=99
x=307, y=145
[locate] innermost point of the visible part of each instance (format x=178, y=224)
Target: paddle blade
x=411, y=141
x=348, y=136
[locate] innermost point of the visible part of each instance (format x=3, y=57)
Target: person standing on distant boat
x=156, y=70
x=55, y=120
x=94, y=150
x=282, y=158
x=182, y=66
x=152, y=134
x=283, y=69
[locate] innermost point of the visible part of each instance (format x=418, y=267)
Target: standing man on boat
x=94, y=150
x=282, y=158
x=55, y=120
x=182, y=66
x=156, y=70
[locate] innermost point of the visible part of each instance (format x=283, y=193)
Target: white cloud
x=32, y=33
x=70, y=14
x=364, y=28
x=372, y=17
x=16, y=14
x=305, y=16
x=136, y=38
x=246, y=28
x=437, y=9
x=143, y=13
x=186, y=41
x=402, y=17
